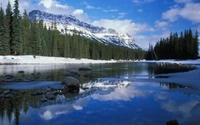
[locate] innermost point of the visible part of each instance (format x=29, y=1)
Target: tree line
x=22, y=36
x=183, y=46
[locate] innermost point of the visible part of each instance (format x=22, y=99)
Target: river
x=116, y=94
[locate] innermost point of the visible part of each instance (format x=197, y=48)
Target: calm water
x=139, y=103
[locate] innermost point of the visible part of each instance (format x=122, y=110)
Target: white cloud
x=47, y=115
x=127, y=26
x=121, y=15
x=183, y=1
x=78, y=12
x=112, y=10
x=50, y=6
x=23, y=4
x=191, y=12
x=171, y=15
x=90, y=7
x=143, y=40
x=46, y=3
x=181, y=109
x=161, y=24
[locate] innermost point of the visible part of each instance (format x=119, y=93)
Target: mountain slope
x=68, y=23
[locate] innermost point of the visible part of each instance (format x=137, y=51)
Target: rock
x=172, y=122
x=48, y=89
x=50, y=96
x=38, y=73
x=9, y=80
x=71, y=84
x=43, y=91
x=19, y=79
x=34, y=93
x=73, y=73
x=6, y=92
x=9, y=77
x=54, y=92
x=40, y=92
x=70, y=81
x=32, y=78
x=21, y=72
x=2, y=95
x=89, y=75
x=1, y=79
x=23, y=92
x=10, y=96
x=85, y=69
x=43, y=99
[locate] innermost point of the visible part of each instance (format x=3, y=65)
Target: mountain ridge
x=68, y=23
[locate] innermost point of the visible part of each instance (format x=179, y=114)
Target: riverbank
x=30, y=59
x=189, y=61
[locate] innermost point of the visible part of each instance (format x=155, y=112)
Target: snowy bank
x=30, y=59
x=194, y=62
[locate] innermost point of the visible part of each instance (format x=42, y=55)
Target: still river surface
x=122, y=96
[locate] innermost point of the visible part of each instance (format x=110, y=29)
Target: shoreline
x=45, y=60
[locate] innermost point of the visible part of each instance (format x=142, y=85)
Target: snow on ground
x=29, y=59
x=195, y=62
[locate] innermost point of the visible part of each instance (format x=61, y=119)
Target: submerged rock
x=11, y=96
x=21, y=72
x=172, y=122
x=2, y=95
x=34, y=93
x=73, y=73
x=43, y=99
x=9, y=76
x=50, y=96
x=85, y=69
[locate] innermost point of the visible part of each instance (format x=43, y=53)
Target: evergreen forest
x=183, y=46
x=21, y=36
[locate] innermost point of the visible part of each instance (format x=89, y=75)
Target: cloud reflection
x=52, y=111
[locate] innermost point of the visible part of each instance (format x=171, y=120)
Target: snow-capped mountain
x=68, y=23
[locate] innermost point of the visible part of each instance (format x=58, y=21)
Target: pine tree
x=4, y=40
x=26, y=33
x=55, y=40
x=35, y=39
x=15, y=34
x=44, y=35
x=8, y=23
x=196, y=45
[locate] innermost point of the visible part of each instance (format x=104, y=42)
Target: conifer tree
x=4, y=40
x=26, y=34
x=8, y=23
x=35, y=39
x=15, y=34
x=196, y=45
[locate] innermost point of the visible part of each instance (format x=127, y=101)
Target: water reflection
x=102, y=99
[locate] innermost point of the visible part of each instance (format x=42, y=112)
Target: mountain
x=67, y=24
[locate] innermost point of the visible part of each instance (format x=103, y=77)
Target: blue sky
x=145, y=20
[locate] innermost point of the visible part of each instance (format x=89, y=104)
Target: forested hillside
x=183, y=46
x=21, y=36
